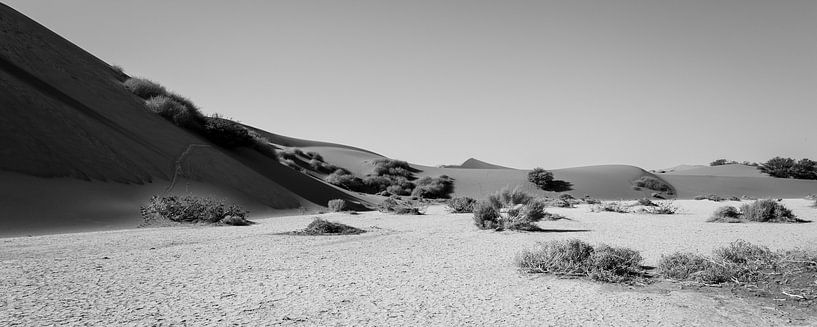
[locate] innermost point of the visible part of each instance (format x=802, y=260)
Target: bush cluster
x=394, y=206
x=727, y=214
x=739, y=261
x=512, y=210
x=611, y=206
x=577, y=258
x=193, y=209
x=767, y=210
x=434, y=188
x=183, y=113
x=660, y=208
x=789, y=168
x=462, y=205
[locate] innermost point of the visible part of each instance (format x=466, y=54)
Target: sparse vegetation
x=507, y=197
x=394, y=206
x=391, y=167
x=338, y=205
x=193, y=209
x=577, y=258
x=661, y=208
x=144, y=88
x=611, y=206
x=462, y=205
x=710, y=197
x=646, y=202
x=511, y=209
x=787, y=274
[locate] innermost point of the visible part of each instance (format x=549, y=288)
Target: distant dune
x=472, y=163
x=733, y=170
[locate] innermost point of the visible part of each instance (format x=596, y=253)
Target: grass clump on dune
x=338, y=205
x=193, y=209
x=320, y=226
x=144, y=88
x=577, y=258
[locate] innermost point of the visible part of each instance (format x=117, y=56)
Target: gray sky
x=518, y=83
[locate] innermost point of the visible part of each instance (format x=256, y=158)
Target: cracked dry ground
x=436, y=269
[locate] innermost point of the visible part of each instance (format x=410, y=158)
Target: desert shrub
x=767, y=211
x=391, y=167
x=590, y=200
x=345, y=180
x=544, y=180
x=320, y=226
x=654, y=184
x=235, y=221
x=742, y=252
x=337, y=205
x=721, y=162
x=728, y=214
x=192, y=209
x=691, y=266
x=710, y=197
x=733, y=198
x=661, y=208
x=391, y=205
x=176, y=112
x=577, y=258
x=462, y=204
x=789, y=168
x=376, y=184
x=612, y=206
x=314, y=155
x=434, y=188
x=486, y=216
x=144, y=88
x=533, y=211
x=226, y=133
x=510, y=197
x=646, y=202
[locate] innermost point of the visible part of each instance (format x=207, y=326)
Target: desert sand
x=435, y=269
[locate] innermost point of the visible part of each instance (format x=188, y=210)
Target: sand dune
x=733, y=170
x=472, y=163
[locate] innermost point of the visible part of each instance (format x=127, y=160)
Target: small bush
x=577, y=258
x=462, y=205
x=486, y=216
x=533, y=211
x=768, y=211
x=235, y=221
x=322, y=227
x=345, y=180
x=661, y=208
x=314, y=155
x=511, y=197
x=727, y=214
x=646, y=202
x=612, y=206
x=192, y=209
x=434, y=188
x=710, y=197
x=144, y=88
x=391, y=205
x=337, y=205
x=691, y=266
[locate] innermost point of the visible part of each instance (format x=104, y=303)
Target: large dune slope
x=78, y=150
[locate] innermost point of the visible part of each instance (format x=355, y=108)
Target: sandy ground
x=436, y=269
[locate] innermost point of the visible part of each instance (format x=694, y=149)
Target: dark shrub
x=544, y=180
x=577, y=258
x=226, y=133
x=235, y=221
x=462, y=205
x=721, y=162
x=192, y=209
x=314, y=155
x=486, y=216
x=767, y=211
x=376, y=184
x=176, y=112
x=342, y=179
x=322, y=227
x=434, y=188
x=778, y=167
x=710, y=197
x=144, y=88
x=337, y=205
x=654, y=184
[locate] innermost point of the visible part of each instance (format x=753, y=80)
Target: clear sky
x=517, y=83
